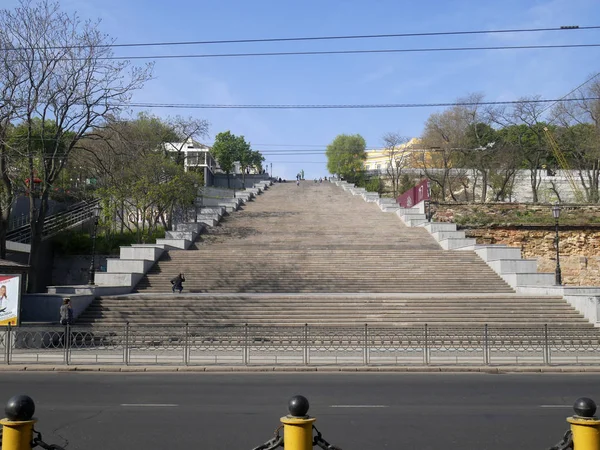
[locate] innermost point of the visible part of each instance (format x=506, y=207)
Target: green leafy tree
x=229, y=149
x=345, y=156
x=225, y=151
x=244, y=156
x=143, y=195
x=256, y=161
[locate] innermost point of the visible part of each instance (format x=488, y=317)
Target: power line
x=293, y=154
x=329, y=52
x=316, y=38
x=349, y=52
x=291, y=145
x=348, y=106
x=563, y=98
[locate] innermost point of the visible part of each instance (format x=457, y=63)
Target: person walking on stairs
x=177, y=283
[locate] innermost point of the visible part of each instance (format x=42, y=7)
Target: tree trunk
x=484, y=185
x=37, y=216
x=3, y=229
x=534, y=187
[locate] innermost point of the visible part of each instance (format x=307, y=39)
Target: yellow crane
x=564, y=165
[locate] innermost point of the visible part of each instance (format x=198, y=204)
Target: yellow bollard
x=584, y=425
x=297, y=426
x=17, y=427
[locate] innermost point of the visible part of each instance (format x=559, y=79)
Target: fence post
x=305, y=355
x=584, y=425
x=126, y=349
x=67, y=343
x=7, y=339
x=17, y=427
x=246, y=350
x=186, y=357
x=486, y=348
x=546, y=346
x=426, y=346
x=366, y=351
x=297, y=426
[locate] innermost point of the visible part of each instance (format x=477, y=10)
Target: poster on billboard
x=10, y=299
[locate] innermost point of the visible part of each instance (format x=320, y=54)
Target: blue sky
x=343, y=79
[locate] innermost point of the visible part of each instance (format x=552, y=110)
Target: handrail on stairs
x=76, y=214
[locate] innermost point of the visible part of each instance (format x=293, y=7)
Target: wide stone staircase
x=315, y=254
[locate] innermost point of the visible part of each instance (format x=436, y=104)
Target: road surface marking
x=150, y=405
x=556, y=406
x=358, y=406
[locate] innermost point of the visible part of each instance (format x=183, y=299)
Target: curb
x=293, y=369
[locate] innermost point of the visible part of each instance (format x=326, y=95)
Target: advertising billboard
x=10, y=299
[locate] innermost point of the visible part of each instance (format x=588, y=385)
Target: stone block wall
x=579, y=250
x=579, y=244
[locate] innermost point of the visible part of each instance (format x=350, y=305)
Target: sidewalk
x=323, y=369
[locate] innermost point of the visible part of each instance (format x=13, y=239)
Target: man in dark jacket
x=177, y=283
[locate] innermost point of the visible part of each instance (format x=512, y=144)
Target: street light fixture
x=92, y=271
x=556, y=215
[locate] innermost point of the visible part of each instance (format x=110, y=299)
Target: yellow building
x=408, y=156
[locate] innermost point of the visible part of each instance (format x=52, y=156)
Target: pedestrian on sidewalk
x=177, y=283
x=66, y=312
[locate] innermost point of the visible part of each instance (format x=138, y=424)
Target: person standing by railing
x=66, y=312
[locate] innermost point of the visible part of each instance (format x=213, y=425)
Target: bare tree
x=72, y=83
x=12, y=77
x=186, y=129
x=397, y=153
x=579, y=136
x=524, y=129
x=443, y=141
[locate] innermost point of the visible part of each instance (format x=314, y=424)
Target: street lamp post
x=195, y=203
x=556, y=215
x=92, y=271
x=428, y=201
x=233, y=175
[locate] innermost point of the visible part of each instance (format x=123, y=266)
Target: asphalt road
x=354, y=411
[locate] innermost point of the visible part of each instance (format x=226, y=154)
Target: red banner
x=414, y=195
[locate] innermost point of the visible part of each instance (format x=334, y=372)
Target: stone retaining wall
x=579, y=245
x=579, y=250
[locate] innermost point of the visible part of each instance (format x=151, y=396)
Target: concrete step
x=435, y=227
x=456, y=243
x=507, y=266
x=442, y=235
x=493, y=253
x=529, y=279
x=147, y=252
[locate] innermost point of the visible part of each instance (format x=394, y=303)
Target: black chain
x=37, y=441
x=273, y=443
x=319, y=441
x=565, y=443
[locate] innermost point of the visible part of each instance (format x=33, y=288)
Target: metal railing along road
x=299, y=345
x=55, y=223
